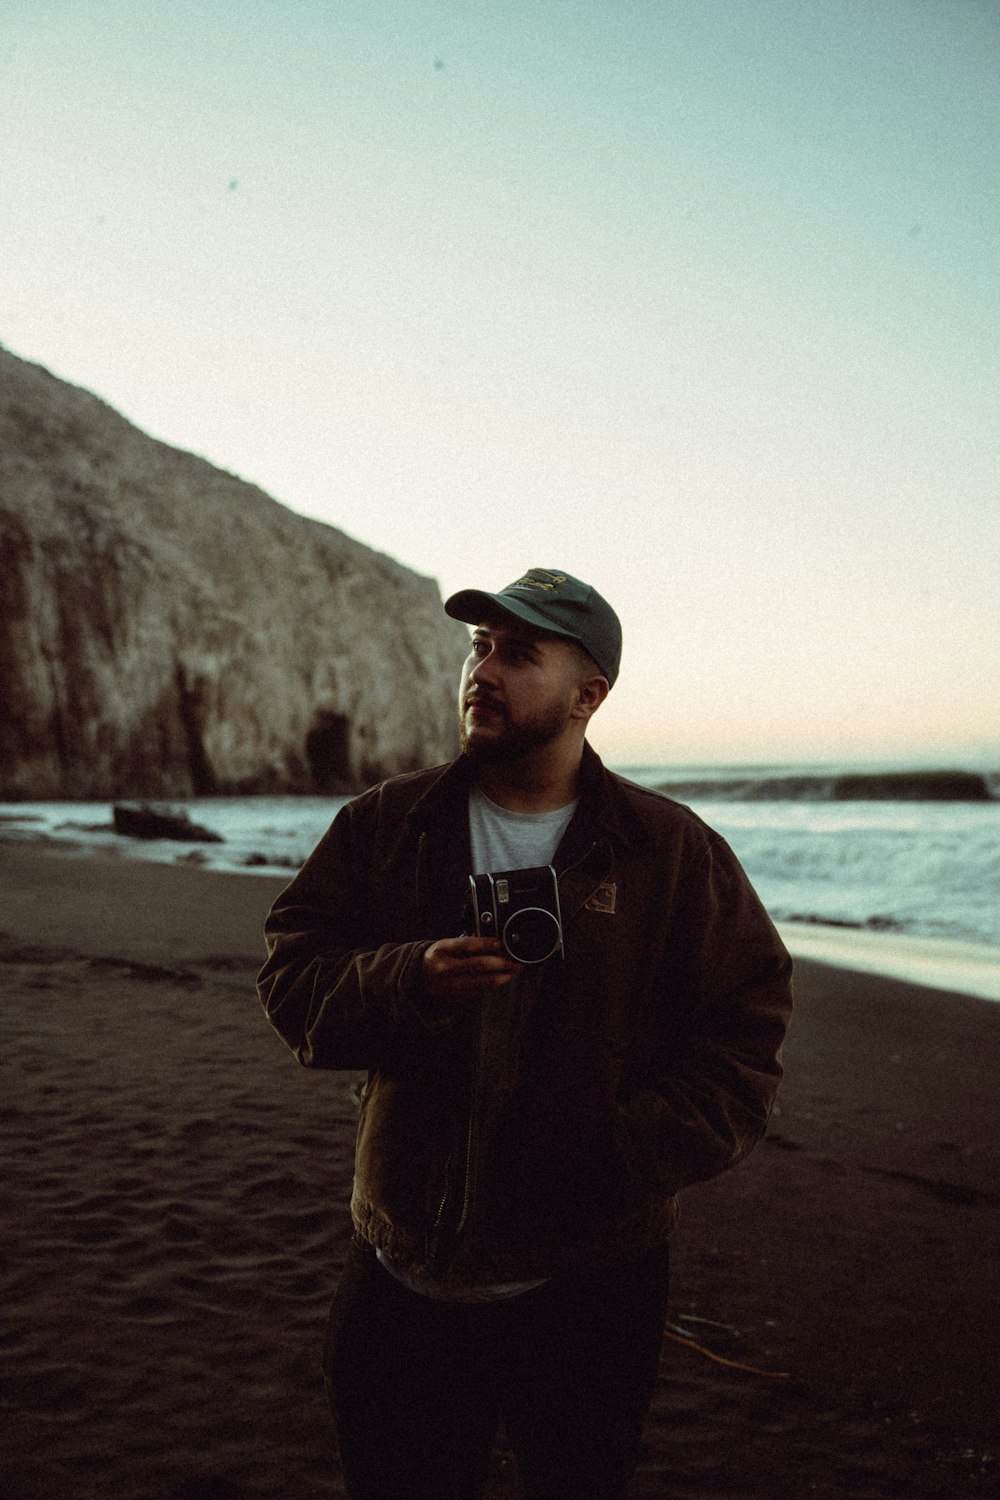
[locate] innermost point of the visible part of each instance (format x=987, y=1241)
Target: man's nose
x=484, y=670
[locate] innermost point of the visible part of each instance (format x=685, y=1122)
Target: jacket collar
x=604, y=798
x=447, y=795
x=604, y=801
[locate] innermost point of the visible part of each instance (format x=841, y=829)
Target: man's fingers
x=487, y=961
x=468, y=947
x=488, y=967
x=469, y=954
x=453, y=966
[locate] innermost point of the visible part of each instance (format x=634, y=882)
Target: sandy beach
x=173, y=1217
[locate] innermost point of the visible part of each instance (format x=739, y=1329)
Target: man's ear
x=590, y=694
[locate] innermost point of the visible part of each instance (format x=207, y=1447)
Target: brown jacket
x=552, y=1125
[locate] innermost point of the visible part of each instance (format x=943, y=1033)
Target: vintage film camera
x=521, y=908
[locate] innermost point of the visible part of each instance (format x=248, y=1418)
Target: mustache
x=483, y=700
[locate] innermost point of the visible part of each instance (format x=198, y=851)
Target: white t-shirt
x=506, y=840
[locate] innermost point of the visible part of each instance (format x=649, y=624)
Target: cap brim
x=475, y=607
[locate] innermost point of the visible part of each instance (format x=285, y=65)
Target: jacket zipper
x=471, y=1140
x=560, y=874
x=434, y=1237
x=417, y=884
x=468, y=1190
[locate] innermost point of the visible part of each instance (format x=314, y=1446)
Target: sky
x=698, y=300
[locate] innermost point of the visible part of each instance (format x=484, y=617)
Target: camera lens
x=531, y=935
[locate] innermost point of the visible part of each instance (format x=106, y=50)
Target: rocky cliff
x=167, y=630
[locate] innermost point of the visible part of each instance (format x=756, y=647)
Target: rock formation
x=168, y=630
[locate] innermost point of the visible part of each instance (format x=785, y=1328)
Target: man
x=524, y=1127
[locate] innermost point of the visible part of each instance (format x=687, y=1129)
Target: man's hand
x=464, y=968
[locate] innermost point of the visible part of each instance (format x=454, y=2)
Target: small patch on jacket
x=604, y=898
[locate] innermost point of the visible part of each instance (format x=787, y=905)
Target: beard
x=514, y=741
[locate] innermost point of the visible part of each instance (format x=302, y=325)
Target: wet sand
x=173, y=1216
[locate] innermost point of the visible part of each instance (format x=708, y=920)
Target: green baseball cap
x=553, y=601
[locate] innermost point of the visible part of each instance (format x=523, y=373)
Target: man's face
x=517, y=692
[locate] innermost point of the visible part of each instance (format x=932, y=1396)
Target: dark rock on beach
x=145, y=822
x=170, y=631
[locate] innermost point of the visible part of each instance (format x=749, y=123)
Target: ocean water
x=898, y=867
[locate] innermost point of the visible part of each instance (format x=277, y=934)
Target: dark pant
x=418, y=1387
